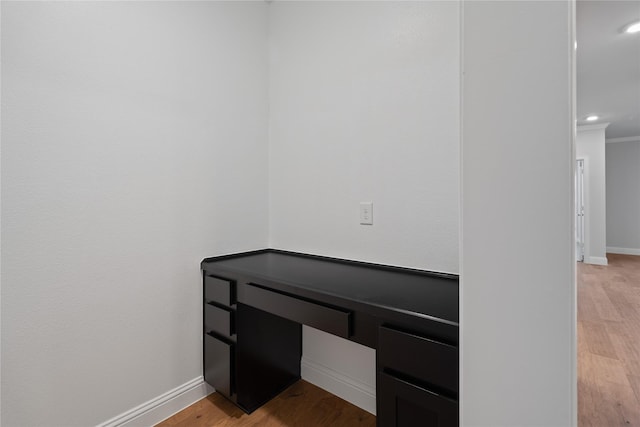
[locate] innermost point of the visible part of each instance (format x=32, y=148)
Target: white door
x=579, y=210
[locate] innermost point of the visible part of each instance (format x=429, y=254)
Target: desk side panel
x=268, y=357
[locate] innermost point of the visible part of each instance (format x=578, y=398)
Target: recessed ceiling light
x=633, y=28
x=591, y=118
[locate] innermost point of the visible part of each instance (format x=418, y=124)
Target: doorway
x=579, y=192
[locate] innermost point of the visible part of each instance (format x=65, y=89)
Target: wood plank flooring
x=609, y=343
x=608, y=366
x=301, y=405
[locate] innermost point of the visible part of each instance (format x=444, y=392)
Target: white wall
x=590, y=147
x=517, y=258
x=364, y=106
x=623, y=197
x=0, y=224
x=136, y=131
x=134, y=144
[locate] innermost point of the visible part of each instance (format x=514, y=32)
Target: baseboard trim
x=353, y=391
x=623, y=251
x=162, y=407
x=597, y=260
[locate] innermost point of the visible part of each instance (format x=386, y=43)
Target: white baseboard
x=353, y=391
x=162, y=407
x=597, y=260
x=623, y=251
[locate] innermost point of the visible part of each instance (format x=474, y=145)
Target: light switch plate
x=366, y=213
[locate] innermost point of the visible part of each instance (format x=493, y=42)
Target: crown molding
x=624, y=139
x=593, y=127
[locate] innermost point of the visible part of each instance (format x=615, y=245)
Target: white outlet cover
x=366, y=213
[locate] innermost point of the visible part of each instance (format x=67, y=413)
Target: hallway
x=609, y=342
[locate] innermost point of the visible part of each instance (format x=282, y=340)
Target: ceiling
x=608, y=66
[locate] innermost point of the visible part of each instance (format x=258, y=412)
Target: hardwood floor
x=609, y=343
x=301, y=405
x=608, y=366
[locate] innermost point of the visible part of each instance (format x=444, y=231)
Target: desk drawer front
x=426, y=360
x=318, y=316
x=219, y=361
x=402, y=404
x=218, y=319
x=219, y=290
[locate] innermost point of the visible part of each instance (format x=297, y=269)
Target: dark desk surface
x=414, y=291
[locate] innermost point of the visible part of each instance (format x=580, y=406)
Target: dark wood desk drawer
x=429, y=361
x=219, y=290
x=403, y=404
x=334, y=321
x=218, y=319
x=219, y=362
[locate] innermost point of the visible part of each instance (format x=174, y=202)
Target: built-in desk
x=255, y=303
